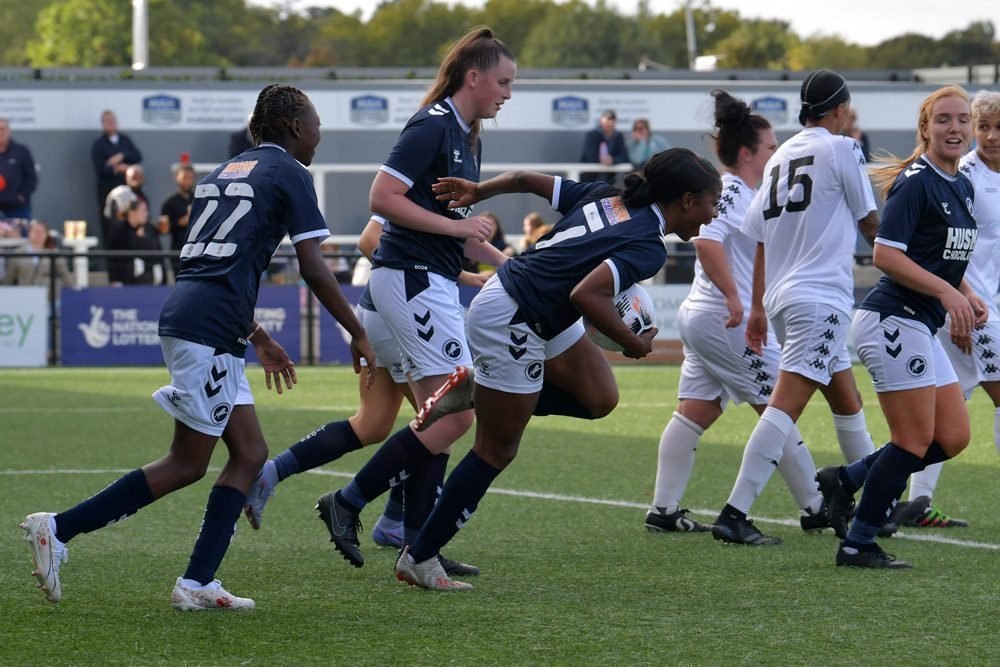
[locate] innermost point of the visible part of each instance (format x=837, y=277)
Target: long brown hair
x=478, y=49
x=886, y=176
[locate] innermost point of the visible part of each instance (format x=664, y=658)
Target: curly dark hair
x=277, y=106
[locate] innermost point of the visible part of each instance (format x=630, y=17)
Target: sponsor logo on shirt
x=960, y=243
x=236, y=170
x=614, y=210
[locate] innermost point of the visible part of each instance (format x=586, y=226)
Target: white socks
x=676, y=459
x=799, y=472
x=923, y=483
x=760, y=457
x=852, y=434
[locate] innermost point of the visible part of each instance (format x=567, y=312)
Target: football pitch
x=570, y=576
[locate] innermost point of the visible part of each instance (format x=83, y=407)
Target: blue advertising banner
x=279, y=311
x=334, y=343
x=117, y=326
x=111, y=326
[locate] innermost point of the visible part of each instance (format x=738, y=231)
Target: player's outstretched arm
x=461, y=192
x=322, y=283
x=388, y=199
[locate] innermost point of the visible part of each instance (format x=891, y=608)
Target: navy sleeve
x=417, y=147
x=302, y=217
x=572, y=192
x=903, y=210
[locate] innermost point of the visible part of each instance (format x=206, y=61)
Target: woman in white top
x=804, y=218
x=718, y=367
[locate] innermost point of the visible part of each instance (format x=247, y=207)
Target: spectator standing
x=643, y=144
x=854, y=132
x=17, y=176
x=111, y=154
x=175, y=212
x=604, y=144
x=33, y=269
x=240, y=140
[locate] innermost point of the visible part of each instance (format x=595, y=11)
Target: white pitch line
x=968, y=544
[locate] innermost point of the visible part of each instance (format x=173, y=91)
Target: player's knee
x=498, y=455
x=369, y=432
x=603, y=404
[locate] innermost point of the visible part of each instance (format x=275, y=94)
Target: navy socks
x=325, y=444
x=123, y=497
x=884, y=485
x=420, y=492
x=225, y=504
x=465, y=487
x=390, y=465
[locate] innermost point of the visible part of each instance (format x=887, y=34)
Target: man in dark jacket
x=112, y=154
x=17, y=176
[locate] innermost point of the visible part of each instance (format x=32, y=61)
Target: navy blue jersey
x=241, y=211
x=591, y=231
x=434, y=143
x=928, y=215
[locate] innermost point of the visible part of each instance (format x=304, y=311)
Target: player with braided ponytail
x=528, y=316
x=241, y=212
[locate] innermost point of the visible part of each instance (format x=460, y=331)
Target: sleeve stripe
x=614, y=274
x=316, y=233
x=556, y=187
x=393, y=172
x=891, y=244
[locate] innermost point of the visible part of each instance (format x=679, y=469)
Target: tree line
x=415, y=33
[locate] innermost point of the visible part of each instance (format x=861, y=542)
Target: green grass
x=565, y=581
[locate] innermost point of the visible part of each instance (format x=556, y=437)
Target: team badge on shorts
x=452, y=349
x=220, y=413
x=533, y=371
x=916, y=366
x=832, y=364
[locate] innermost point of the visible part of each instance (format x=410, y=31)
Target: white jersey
x=739, y=248
x=983, y=272
x=805, y=213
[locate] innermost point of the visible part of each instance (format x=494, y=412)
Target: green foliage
x=570, y=578
x=415, y=33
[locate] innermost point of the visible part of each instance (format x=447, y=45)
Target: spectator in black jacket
x=17, y=176
x=112, y=154
x=604, y=144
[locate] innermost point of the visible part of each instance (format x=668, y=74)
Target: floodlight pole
x=692, y=42
x=140, y=34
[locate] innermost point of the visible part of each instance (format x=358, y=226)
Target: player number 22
x=795, y=177
x=217, y=247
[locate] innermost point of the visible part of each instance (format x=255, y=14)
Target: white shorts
x=813, y=340
x=387, y=352
x=509, y=356
x=718, y=363
x=983, y=365
x=425, y=317
x=204, y=385
x=900, y=353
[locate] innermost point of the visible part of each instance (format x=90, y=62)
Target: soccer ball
x=636, y=309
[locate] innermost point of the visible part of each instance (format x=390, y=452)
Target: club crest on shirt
x=615, y=210
x=235, y=170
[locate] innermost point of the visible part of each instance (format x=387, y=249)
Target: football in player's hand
x=636, y=309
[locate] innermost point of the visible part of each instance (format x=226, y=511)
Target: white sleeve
x=857, y=184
